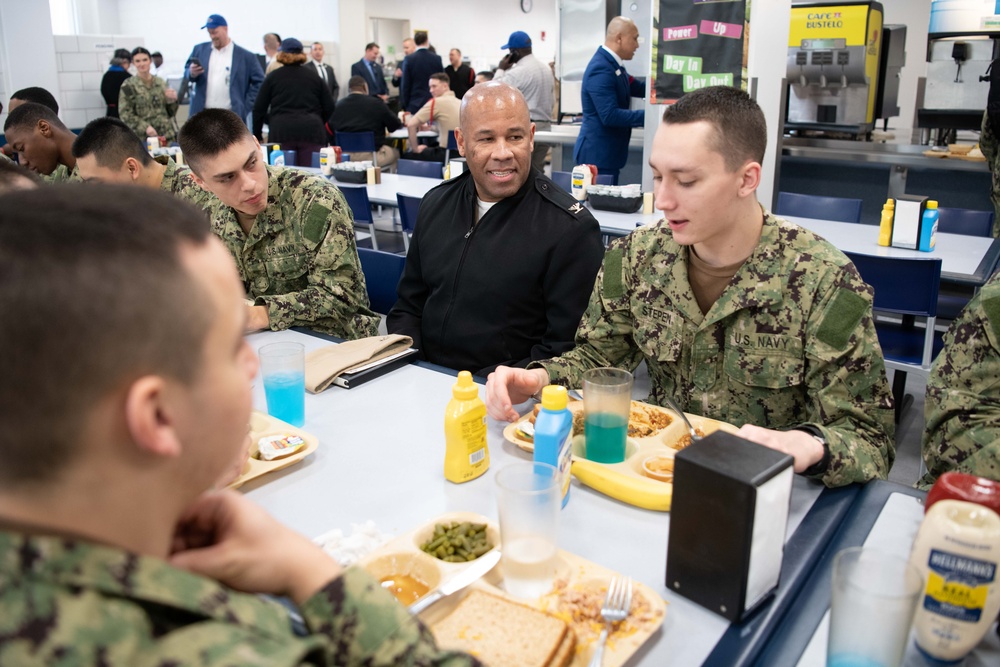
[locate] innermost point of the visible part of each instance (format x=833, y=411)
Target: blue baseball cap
x=290, y=45
x=518, y=40
x=215, y=21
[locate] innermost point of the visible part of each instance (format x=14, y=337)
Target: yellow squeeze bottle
x=885, y=228
x=466, y=454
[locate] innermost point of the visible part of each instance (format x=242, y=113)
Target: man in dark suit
x=323, y=70
x=369, y=70
x=414, y=90
x=225, y=75
x=359, y=112
x=607, y=87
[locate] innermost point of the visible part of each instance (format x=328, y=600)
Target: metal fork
x=616, y=608
x=676, y=408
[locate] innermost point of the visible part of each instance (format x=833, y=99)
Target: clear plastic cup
x=528, y=498
x=283, y=369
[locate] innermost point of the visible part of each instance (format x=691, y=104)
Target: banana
x=639, y=491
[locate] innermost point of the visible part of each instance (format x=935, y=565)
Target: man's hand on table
x=226, y=537
x=506, y=387
x=803, y=447
x=257, y=318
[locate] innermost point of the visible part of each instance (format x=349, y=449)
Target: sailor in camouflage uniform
x=112, y=551
x=962, y=407
x=109, y=152
x=988, y=145
x=43, y=144
x=290, y=232
x=144, y=101
x=783, y=345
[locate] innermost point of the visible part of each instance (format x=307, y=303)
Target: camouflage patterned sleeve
x=127, y=111
x=962, y=407
x=367, y=626
x=845, y=378
x=335, y=299
x=988, y=145
x=604, y=337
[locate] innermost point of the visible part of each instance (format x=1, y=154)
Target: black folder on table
x=375, y=369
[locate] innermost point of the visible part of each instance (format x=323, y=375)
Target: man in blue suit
x=414, y=90
x=227, y=76
x=369, y=70
x=607, y=87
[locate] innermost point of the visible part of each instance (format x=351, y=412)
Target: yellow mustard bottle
x=885, y=228
x=957, y=550
x=466, y=454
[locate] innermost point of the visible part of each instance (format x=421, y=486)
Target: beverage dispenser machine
x=833, y=67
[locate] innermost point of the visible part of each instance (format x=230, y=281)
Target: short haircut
x=486, y=74
x=105, y=263
x=357, y=83
x=27, y=116
x=442, y=77
x=141, y=49
x=371, y=45
x=458, y=51
x=155, y=54
x=420, y=37
x=274, y=34
x=11, y=172
x=111, y=142
x=38, y=96
x=208, y=133
x=316, y=44
x=740, y=127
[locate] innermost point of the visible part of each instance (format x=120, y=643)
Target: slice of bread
x=566, y=652
x=503, y=633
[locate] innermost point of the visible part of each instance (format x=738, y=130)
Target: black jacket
x=414, y=91
x=111, y=84
x=509, y=290
x=296, y=103
x=364, y=113
x=461, y=79
x=377, y=85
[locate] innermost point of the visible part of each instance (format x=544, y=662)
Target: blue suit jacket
x=607, y=120
x=417, y=69
x=245, y=77
x=377, y=85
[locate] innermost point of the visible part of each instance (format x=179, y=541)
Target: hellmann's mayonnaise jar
x=957, y=551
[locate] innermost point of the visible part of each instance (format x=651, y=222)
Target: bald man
x=502, y=260
x=606, y=92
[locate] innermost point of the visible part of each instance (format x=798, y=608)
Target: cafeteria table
x=884, y=516
x=968, y=260
x=381, y=458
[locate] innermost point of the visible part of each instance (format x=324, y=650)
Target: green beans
x=457, y=542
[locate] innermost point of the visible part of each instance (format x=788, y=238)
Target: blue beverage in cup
x=605, y=437
x=286, y=397
x=282, y=367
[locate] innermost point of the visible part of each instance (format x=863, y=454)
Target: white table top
x=962, y=257
x=619, y=223
x=403, y=133
x=384, y=193
x=381, y=458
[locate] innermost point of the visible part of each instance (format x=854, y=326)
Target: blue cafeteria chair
x=361, y=207
x=356, y=142
x=315, y=160
x=408, y=207
x=965, y=221
x=907, y=288
x=382, y=273
x=818, y=208
x=420, y=168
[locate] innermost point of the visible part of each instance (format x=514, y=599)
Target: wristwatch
x=820, y=466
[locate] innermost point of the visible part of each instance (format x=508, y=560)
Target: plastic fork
x=672, y=404
x=616, y=608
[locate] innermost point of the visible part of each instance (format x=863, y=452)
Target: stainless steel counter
x=565, y=135
x=902, y=155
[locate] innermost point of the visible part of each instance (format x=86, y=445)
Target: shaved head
x=622, y=37
x=492, y=95
x=618, y=25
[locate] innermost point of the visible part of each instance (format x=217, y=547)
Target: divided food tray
x=261, y=426
x=576, y=579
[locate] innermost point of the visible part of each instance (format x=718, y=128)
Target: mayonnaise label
x=957, y=586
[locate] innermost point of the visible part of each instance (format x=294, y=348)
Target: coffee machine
x=833, y=67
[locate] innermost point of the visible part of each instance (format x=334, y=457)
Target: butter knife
x=477, y=569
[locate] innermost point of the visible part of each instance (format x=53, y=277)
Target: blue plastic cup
x=283, y=368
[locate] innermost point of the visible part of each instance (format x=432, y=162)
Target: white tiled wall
x=82, y=61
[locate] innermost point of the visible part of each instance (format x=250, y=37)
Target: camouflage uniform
x=789, y=343
x=177, y=180
x=962, y=406
x=141, y=105
x=300, y=259
x=988, y=145
x=62, y=174
x=69, y=602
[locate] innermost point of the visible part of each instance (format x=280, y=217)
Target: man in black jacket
x=417, y=69
x=369, y=70
x=461, y=77
x=360, y=112
x=502, y=260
